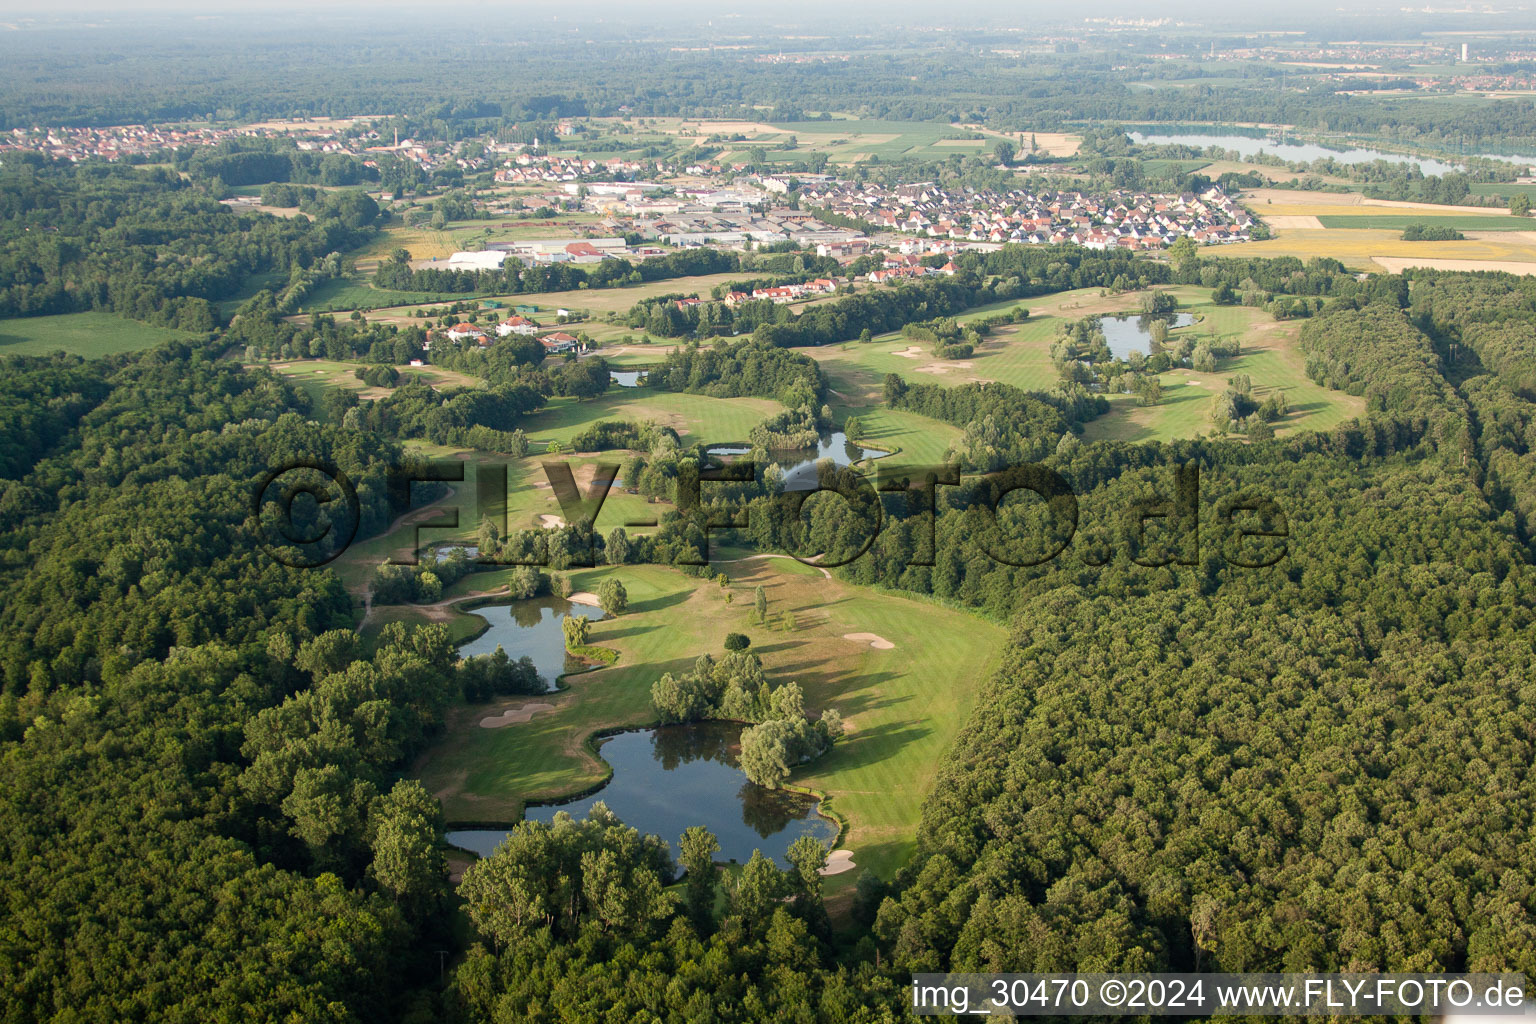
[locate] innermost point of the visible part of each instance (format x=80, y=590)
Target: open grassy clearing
x=903, y=706
x=90, y=335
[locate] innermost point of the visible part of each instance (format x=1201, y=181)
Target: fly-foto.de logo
x=309, y=512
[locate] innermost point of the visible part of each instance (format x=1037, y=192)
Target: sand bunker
x=583, y=597
x=512, y=715
x=550, y=522
x=838, y=861
x=874, y=640
x=911, y=352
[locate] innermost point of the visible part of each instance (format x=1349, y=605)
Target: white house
x=516, y=325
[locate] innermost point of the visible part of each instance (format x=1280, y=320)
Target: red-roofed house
x=461, y=332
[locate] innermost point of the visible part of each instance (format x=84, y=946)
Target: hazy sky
x=778, y=10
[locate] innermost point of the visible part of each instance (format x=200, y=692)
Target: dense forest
x=150, y=245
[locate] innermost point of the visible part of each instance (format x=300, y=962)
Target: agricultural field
x=1399, y=221
x=1503, y=189
x=90, y=335
x=1366, y=234
x=903, y=706
x=847, y=140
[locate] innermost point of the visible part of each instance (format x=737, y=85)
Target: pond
x=443, y=552
x=1130, y=333
x=800, y=473
x=627, y=378
x=669, y=779
x=531, y=627
x=1249, y=145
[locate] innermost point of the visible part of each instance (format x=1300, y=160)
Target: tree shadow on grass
x=870, y=746
x=619, y=634
x=656, y=604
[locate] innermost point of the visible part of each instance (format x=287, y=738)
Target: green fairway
x=1269, y=357
x=81, y=334
x=1019, y=354
x=695, y=417
x=1398, y=221
x=903, y=706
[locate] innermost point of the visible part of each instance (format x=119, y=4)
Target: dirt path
x=404, y=519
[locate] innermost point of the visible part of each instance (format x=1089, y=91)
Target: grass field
x=903, y=707
x=82, y=334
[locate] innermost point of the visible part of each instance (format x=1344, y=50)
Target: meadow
x=90, y=335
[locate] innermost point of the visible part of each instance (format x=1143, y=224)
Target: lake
x=800, y=473
x=669, y=779
x=1250, y=145
x=1131, y=333
x=627, y=378
x=531, y=627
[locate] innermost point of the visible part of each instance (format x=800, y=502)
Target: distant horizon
x=981, y=12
